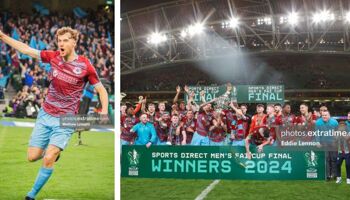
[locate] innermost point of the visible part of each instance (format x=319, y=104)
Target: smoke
x=228, y=63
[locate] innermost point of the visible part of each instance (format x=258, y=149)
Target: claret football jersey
x=67, y=81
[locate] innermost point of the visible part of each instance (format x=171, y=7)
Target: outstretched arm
x=211, y=101
x=238, y=111
x=20, y=46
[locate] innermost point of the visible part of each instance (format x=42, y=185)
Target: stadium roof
x=127, y=6
x=156, y=32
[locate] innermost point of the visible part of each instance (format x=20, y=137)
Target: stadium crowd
x=28, y=76
x=294, y=72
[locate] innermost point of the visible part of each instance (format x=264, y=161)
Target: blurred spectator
x=29, y=79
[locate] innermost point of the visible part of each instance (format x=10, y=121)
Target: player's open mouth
x=62, y=50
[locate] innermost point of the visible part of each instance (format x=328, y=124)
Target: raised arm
x=202, y=96
x=237, y=110
x=143, y=105
x=138, y=106
x=20, y=46
x=187, y=89
x=178, y=90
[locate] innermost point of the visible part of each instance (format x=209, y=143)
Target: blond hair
x=74, y=33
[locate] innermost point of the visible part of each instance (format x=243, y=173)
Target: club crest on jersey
x=77, y=70
x=54, y=73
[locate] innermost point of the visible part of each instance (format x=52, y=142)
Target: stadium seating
x=19, y=71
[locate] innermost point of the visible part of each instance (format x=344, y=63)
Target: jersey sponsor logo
x=64, y=77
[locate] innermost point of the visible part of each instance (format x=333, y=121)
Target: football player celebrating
x=218, y=131
x=161, y=107
x=239, y=127
x=189, y=126
x=287, y=116
x=176, y=135
x=260, y=136
x=203, y=123
x=162, y=128
x=258, y=119
x=126, y=136
x=68, y=75
x=244, y=109
x=306, y=118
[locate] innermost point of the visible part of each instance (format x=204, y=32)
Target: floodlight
x=234, y=21
x=156, y=38
x=293, y=18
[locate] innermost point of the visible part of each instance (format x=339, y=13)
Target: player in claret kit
x=276, y=127
x=248, y=118
x=151, y=112
x=189, y=126
x=161, y=108
x=204, y=119
x=306, y=118
x=227, y=117
x=68, y=75
x=273, y=120
x=305, y=122
x=259, y=137
x=278, y=113
x=123, y=114
x=130, y=120
x=238, y=128
x=287, y=116
x=162, y=128
x=217, y=132
x=180, y=107
x=176, y=136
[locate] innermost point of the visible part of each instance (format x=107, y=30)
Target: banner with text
x=242, y=93
x=193, y=162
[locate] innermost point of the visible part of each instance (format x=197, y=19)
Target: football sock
x=43, y=175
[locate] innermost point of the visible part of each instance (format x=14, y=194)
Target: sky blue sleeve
x=135, y=128
x=153, y=134
x=317, y=125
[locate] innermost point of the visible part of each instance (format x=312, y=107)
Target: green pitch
x=135, y=189
x=82, y=173
x=138, y=188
